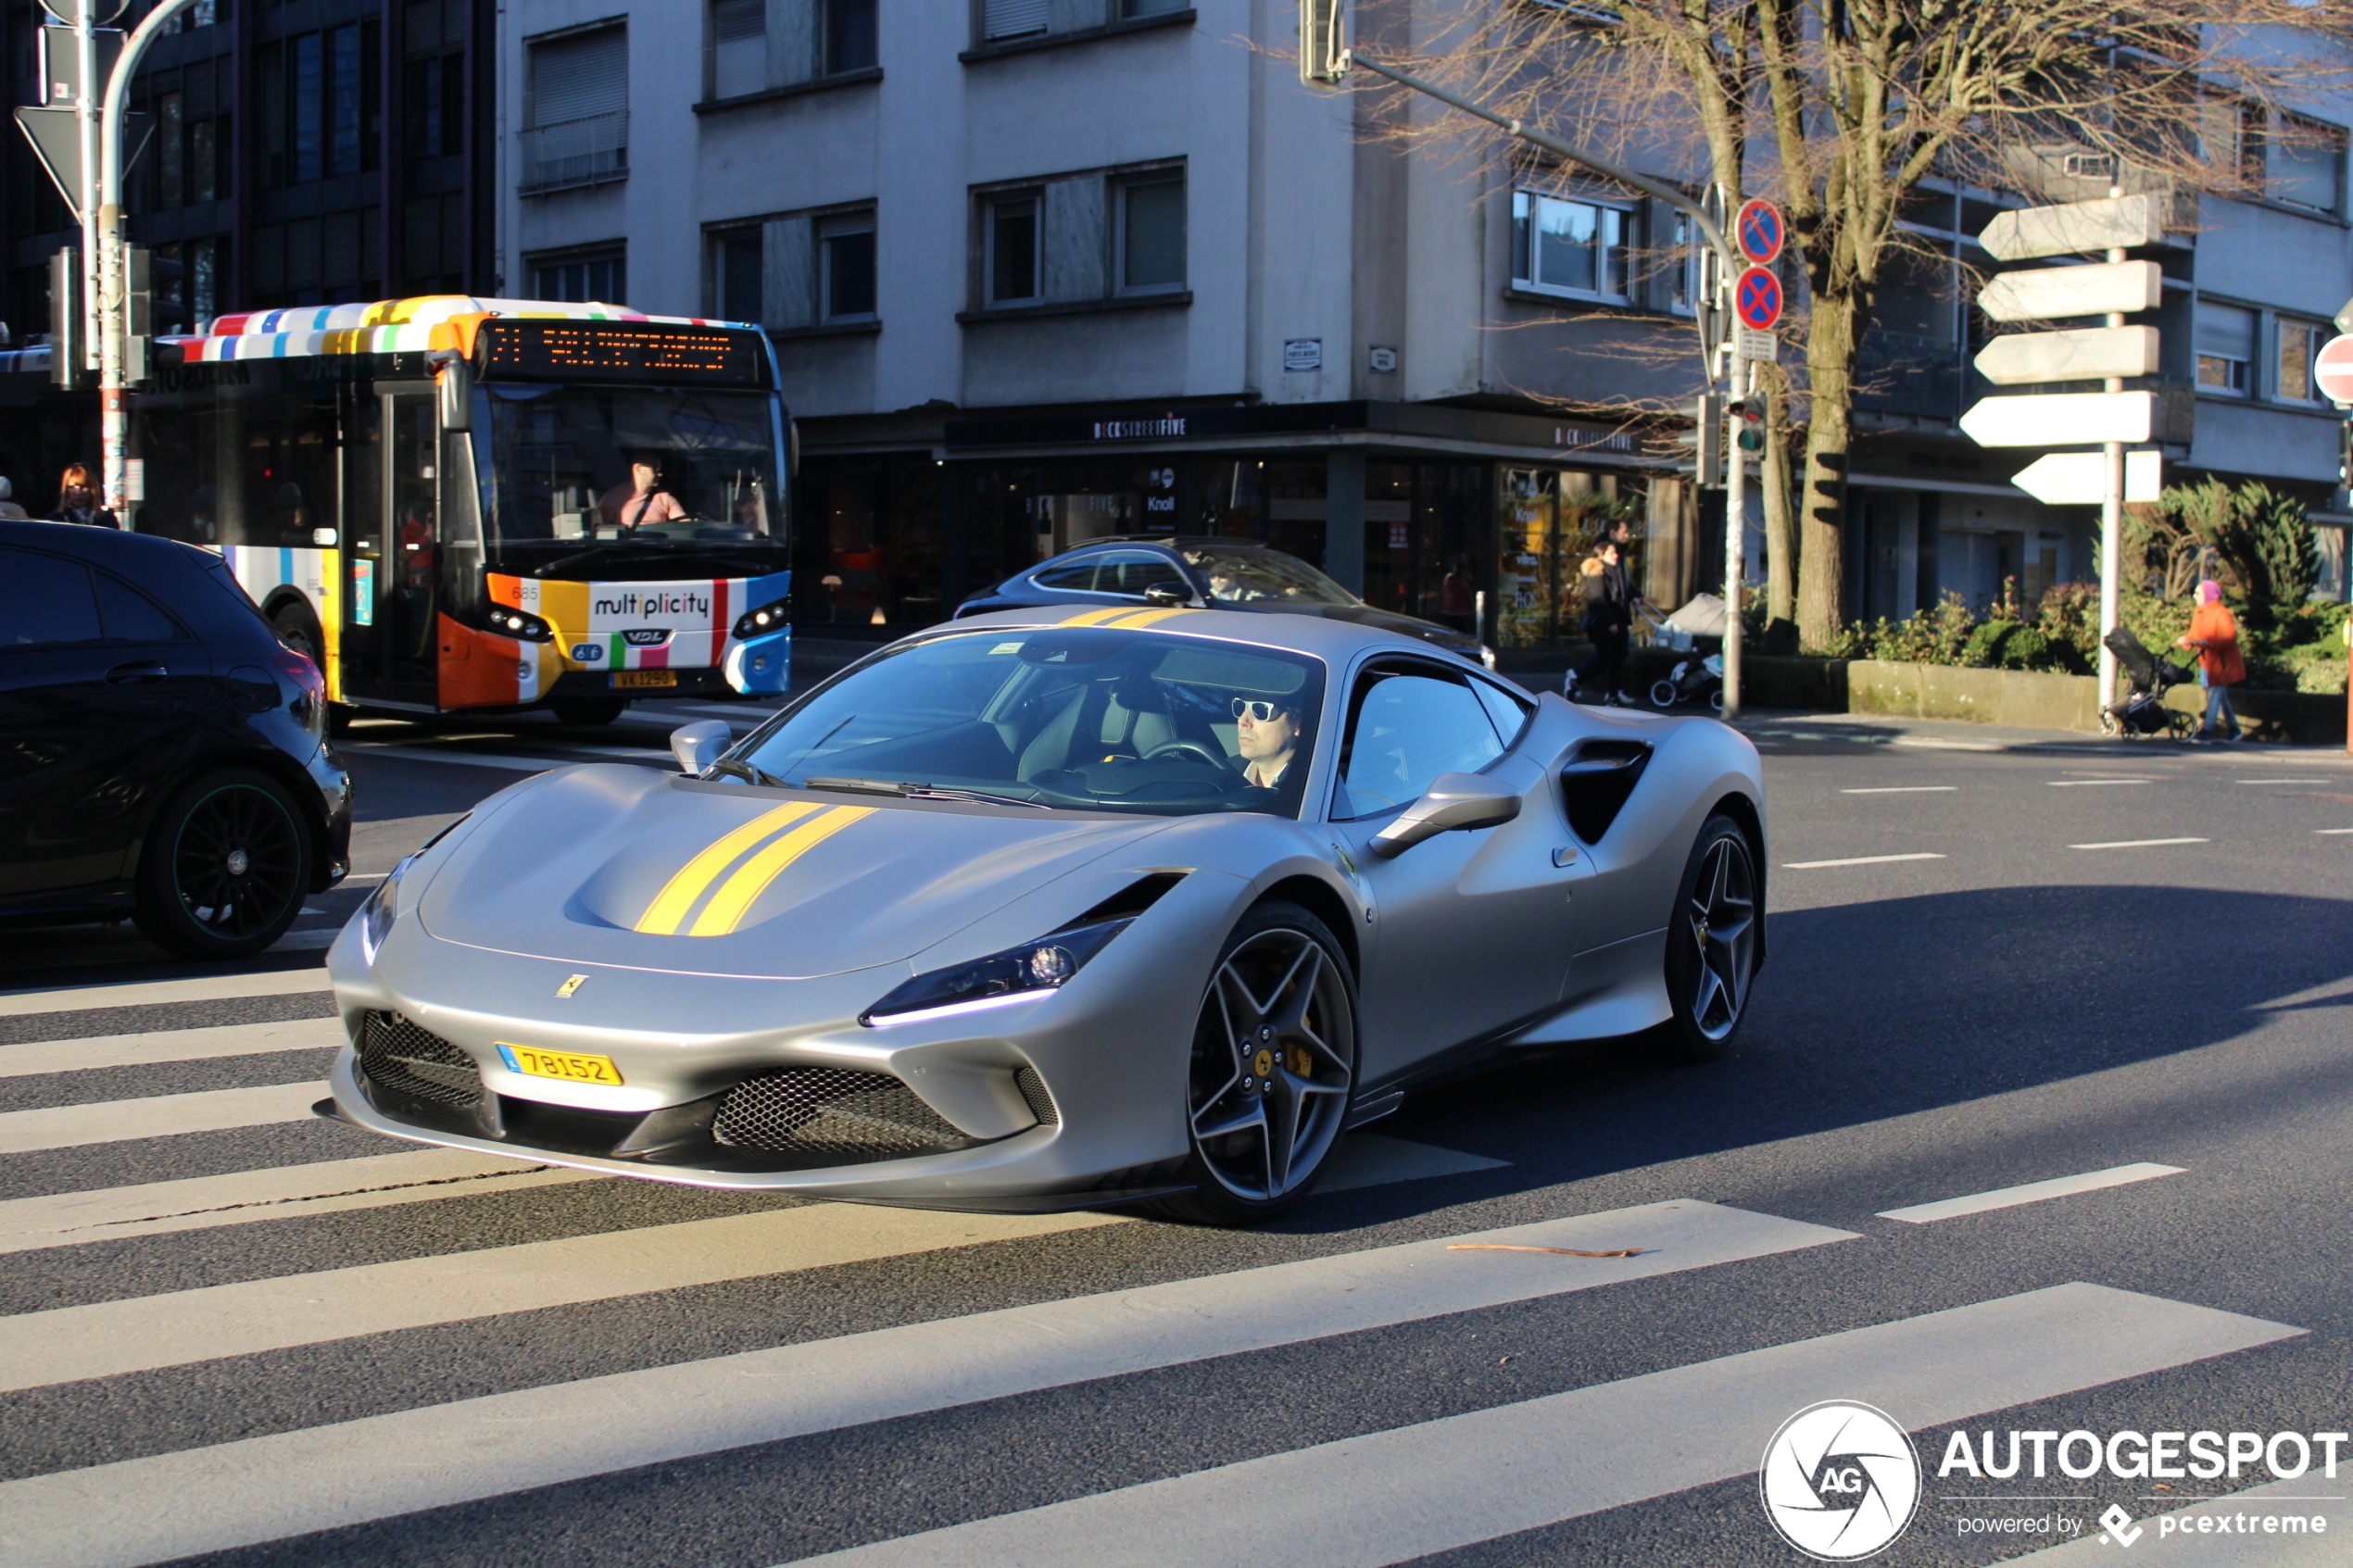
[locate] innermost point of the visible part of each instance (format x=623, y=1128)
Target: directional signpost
x=2110, y=353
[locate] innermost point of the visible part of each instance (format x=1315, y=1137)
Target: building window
x=2225, y=342
x=846, y=268
x=1682, y=263
x=850, y=41
x=1580, y=248
x=738, y=48
x=736, y=275
x=578, y=131
x=2304, y=165
x=1133, y=10
x=1011, y=247
x=204, y=264
x=171, y=162
x=2299, y=344
x=601, y=276
x=432, y=112
x=1001, y=19
x=1152, y=234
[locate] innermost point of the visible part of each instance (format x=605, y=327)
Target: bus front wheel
x=587, y=709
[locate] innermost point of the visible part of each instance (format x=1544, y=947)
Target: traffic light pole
x=111, y=299
x=1735, y=472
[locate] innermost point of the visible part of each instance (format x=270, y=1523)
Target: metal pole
x=85, y=110
x=2111, y=526
x=1735, y=525
x=114, y=300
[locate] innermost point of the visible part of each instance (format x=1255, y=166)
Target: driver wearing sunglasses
x=1266, y=734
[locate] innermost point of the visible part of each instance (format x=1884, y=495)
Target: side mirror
x=698, y=745
x=454, y=381
x=1167, y=594
x=1454, y=800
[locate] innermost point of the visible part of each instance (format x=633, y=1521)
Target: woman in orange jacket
x=2215, y=634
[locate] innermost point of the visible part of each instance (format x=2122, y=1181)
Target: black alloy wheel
x=1711, y=944
x=224, y=870
x=1272, y=1072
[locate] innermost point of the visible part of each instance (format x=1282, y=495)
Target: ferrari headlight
x=1017, y=974
x=377, y=914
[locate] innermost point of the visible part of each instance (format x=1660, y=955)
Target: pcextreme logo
x=1840, y=1480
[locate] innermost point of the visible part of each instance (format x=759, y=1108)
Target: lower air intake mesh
x=834, y=1116
x=399, y=1055
x=1041, y=1104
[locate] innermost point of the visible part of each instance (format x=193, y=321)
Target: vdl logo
x=1840, y=1481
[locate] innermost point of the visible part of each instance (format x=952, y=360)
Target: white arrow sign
x=2061, y=418
x=2086, y=354
x=2073, y=291
x=2080, y=479
x=2120, y=222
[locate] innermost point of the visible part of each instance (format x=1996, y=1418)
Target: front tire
x=225, y=869
x=588, y=709
x=1272, y=1071
x=1711, y=945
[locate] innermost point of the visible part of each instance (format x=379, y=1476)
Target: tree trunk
x=1830, y=363
x=1780, y=568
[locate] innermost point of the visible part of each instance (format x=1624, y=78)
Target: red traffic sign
x=2334, y=370
x=1758, y=230
x=1756, y=299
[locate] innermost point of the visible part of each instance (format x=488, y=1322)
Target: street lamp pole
x=1731, y=264
x=103, y=218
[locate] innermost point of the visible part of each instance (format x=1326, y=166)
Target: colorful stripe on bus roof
x=389, y=326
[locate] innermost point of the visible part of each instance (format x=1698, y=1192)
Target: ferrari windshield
x=1082, y=718
x=1264, y=576
x=661, y=470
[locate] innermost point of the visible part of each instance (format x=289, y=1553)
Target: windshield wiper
x=745, y=770
x=597, y=552
x=920, y=792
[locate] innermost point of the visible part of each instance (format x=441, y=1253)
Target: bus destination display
x=573, y=350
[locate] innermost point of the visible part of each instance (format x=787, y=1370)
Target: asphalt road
x=236, y=1334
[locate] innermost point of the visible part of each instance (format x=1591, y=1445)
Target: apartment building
x=1039, y=271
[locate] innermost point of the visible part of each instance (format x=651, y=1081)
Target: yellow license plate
x=572, y=1067
x=645, y=677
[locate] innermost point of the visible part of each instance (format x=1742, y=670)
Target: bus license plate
x=645, y=677
x=572, y=1067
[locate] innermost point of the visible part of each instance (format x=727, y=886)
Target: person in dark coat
x=1609, y=622
x=77, y=499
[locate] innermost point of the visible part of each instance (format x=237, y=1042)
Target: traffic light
x=1706, y=442
x=66, y=346
x=2345, y=452
x=1751, y=414
x=1323, y=60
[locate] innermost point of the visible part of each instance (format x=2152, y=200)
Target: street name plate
x=2061, y=418
x=2073, y=291
x=2083, y=354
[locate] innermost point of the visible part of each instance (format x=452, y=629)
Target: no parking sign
x=1756, y=299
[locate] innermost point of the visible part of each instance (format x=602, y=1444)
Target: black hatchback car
x=1227, y=573
x=161, y=754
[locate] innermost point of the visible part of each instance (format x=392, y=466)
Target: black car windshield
x=1083, y=718
x=1264, y=576
x=658, y=470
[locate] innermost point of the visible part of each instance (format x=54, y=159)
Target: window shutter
x=1074, y=235
x=1011, y=19
x=738, y=48
x=575, y=78
x=2226, y=331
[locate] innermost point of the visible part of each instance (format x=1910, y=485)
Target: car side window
x=1406, y=725
x=1132, y=571
x=1508, y=709
x=130, y=617
x=1070, y=577
x=46, y=601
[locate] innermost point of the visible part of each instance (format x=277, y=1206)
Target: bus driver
x=642, y=502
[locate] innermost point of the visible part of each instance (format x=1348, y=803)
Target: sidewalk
x=1768, y=725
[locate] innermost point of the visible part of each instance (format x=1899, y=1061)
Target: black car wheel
x=225, y=868
x=587, y=709
x=1711, y=945
x=1273, y=1068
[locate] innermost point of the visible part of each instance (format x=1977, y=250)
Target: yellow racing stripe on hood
x=740, y=892
x=668, y=912
x=1138, y=620
x=1096, y=617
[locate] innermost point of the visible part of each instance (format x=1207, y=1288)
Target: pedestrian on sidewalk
x=1609, y=618
x=2214, y=632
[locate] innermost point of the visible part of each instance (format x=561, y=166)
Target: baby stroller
x=2143, y=712
x=1690, y=679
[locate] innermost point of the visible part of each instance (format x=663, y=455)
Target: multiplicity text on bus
x=454, y=503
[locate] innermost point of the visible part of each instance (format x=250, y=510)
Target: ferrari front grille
x=402, y=1057
x=1033, y=1090
x=832, y=1116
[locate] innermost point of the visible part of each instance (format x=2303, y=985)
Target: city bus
x=461, y=505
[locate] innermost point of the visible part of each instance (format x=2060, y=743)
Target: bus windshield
x=626, y=470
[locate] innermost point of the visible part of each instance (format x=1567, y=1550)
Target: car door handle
x=138, y=674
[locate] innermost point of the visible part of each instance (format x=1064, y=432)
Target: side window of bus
x=175, y=444
x=288, y=490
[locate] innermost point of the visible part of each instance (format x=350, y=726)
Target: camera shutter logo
x=1840, y=1481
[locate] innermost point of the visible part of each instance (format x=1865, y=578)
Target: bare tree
x=1842, y=108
